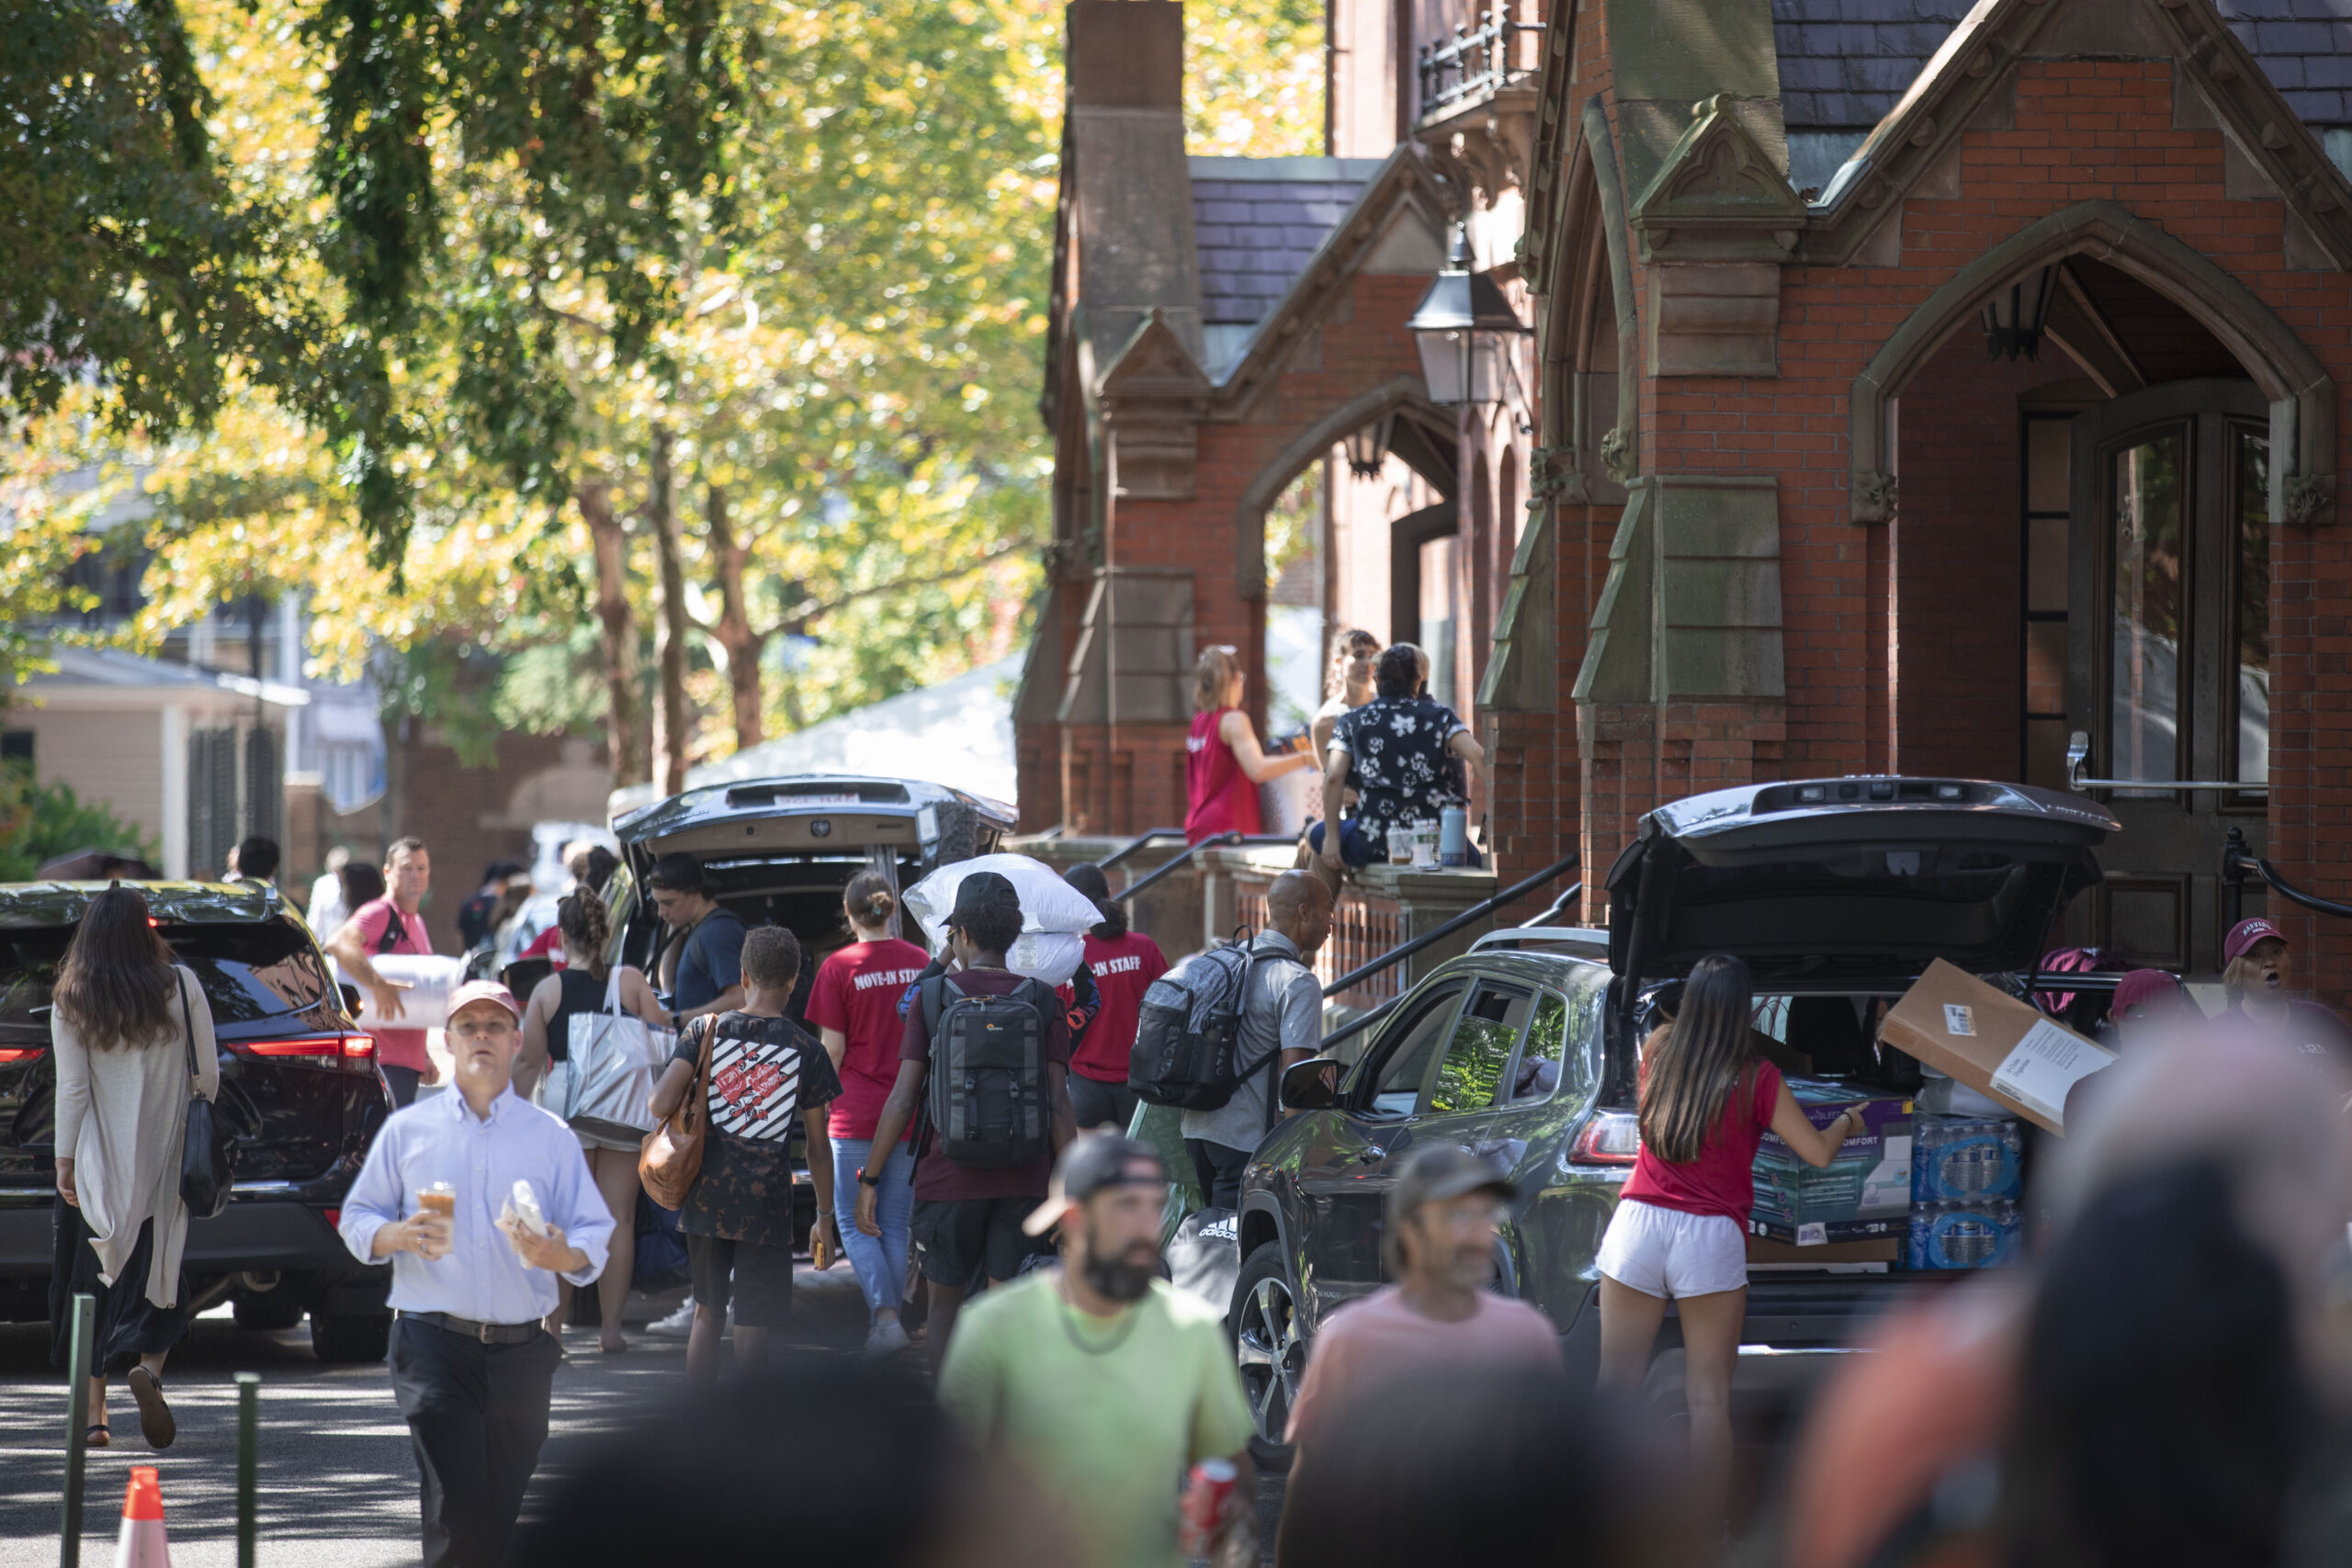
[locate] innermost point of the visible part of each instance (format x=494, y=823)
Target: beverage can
x=1207, y=1492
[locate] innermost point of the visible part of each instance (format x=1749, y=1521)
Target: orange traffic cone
x=142, y=1544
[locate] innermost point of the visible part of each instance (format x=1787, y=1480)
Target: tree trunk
x=669, y=719
x=631, y=760
x=734, y=631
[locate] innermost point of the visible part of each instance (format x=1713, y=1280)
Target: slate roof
x=2306, y=48
x=1258, y=222
x=1846, y=62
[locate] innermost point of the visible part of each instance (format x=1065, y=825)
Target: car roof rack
x=1590, y=938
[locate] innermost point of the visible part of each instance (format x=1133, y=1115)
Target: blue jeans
x=880, y=1261
x=1355, y=849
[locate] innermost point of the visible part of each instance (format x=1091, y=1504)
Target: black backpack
x=1188, y=1031
x=987, y=1093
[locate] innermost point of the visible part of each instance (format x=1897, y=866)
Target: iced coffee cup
x=439, y=1199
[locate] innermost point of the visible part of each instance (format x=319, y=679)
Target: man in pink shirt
x=1439, y=1243
x=391, y=924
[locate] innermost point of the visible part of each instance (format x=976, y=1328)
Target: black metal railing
x=1174, y=862
x=1475, y=60
x=1397, y=955
x=1148, y=837
x=2240, y=864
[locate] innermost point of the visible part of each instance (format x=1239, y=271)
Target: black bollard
x=248, y=1443
x=77, y=1423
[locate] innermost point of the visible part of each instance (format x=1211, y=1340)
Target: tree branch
x=812, y=609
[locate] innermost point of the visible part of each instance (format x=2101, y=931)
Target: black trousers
x=477, y=1414
x=1095, y=1102
x=1218, y=1170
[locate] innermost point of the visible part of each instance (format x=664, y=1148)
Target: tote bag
x=614, y=1059
x=207, y=1149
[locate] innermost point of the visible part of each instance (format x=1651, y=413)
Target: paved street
x=337, y=1486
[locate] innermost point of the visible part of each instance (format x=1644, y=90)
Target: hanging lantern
x=1368, y=444
x=1465, y=332
x=2013, y=317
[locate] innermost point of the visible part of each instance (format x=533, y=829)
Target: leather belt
x=487, y=1333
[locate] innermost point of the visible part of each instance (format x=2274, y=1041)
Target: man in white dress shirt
x=471, y=1364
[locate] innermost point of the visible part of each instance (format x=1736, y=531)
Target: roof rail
x=1542, y=936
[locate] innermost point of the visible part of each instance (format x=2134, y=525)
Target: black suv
x=1838, y=893
x=299, y=1085
x=781, y=852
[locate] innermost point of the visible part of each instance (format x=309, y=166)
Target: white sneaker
x=677, y=1326
x=887, y=1338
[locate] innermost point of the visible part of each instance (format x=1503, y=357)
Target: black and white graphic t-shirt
x=1397, y=762
x=763, y=1072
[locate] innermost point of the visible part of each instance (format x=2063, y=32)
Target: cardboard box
x=1863, y=1194
x=1995, y=1044
x=1764, y=1249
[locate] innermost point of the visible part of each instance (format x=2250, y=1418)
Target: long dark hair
x=1088, y=878
x=1699, y=1059
x=2163, y=1412
x=116, y=983
x=586, y=928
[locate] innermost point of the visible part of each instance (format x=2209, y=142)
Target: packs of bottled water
x=1964, y=1235
x=1967, y=1159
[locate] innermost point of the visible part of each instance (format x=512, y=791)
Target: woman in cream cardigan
x=121, y=1017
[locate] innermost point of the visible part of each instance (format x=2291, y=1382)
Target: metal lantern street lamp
x=1367, y=444
x=1467, y=332
x=2013, y=318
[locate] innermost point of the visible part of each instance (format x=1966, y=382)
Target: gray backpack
x=987, y=1094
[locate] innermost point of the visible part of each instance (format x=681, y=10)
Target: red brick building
x=1795, y=506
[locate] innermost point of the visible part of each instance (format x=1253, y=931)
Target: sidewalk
x=337, y=1486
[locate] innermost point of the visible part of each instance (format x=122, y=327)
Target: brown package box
x=1883, y=1250
x=1994, y=1043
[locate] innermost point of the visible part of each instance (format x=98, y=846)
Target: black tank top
x=583, y=992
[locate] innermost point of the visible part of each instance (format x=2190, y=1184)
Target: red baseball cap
x=2246, y=933
x=474, y=991
x=2153, y=987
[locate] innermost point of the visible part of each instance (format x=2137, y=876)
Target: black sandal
x=154, y=1416
x=97, y=1437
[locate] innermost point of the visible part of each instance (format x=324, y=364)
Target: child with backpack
x=758, y=1072
x=993, y=1049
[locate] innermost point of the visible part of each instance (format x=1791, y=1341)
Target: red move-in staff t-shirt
x=856, y=991
x=1721, y=1180
x=1124, y=969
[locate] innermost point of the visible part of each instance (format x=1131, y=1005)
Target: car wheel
x=267, y=1311
x=339, y=1337
x=1270, y=1344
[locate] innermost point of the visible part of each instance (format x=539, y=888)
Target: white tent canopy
x=958, y=732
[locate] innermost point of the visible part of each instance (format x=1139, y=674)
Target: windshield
x=248, y=972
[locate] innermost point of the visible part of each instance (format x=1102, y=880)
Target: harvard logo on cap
x=2246, y=933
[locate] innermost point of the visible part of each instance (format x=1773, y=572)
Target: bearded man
x=1098, y=1377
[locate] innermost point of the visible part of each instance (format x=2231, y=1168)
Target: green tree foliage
x=39, y=822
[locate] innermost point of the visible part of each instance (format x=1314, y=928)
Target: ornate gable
x=1153, y=396
x=1718, y=197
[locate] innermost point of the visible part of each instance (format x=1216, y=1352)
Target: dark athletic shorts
x=963, y=1237
x=761, y=1282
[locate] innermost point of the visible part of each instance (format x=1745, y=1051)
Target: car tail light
x=19, y=1053
x=355, y=1051
x=1610, y=1137
x=334, y=1218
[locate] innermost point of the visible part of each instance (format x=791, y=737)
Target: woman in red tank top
x=1223, y=763
x=1679, y=1231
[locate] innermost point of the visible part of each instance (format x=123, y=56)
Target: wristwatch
x=865, y=1180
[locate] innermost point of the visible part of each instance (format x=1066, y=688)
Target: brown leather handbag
x=670, y=1159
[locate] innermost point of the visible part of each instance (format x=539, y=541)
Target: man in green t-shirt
x=1105, y=1382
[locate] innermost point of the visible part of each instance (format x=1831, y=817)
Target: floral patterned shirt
x=1398, y=763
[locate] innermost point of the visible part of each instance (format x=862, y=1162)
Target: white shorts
x=1664, y=1252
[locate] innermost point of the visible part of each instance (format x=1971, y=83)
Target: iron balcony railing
x=1475, y=60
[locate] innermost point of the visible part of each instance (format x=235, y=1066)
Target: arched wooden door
x=2167, y=595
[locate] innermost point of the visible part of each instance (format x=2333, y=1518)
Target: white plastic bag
x=1048, y=904
x=432, y=981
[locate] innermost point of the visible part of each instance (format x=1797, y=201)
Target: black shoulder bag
x=207, y=1152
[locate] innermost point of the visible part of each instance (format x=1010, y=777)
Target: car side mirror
x=1312, y=1084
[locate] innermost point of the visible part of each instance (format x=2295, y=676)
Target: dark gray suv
x=1838, y=893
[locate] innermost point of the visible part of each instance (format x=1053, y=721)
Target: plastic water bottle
x=1453, y=837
